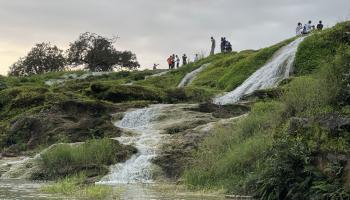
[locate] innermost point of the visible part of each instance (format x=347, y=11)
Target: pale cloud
x=153, y=29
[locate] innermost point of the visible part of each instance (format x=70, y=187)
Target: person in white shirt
x=299, y=29
x=308, y=27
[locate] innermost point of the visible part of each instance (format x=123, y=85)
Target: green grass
x=173, y=78
x=320, y=48
x=74, y=186
x=228, y=158
x=91, y=157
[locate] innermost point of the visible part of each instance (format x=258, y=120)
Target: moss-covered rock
x=68, y=121
x=122, y=93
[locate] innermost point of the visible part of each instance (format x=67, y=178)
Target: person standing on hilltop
x=319, y=26
x=155, y=66
x=196, y=57
x=169, y=60
x=213, y=44
x=177, y=59
x=222, y=45
x=184, y=59
x=173, y=62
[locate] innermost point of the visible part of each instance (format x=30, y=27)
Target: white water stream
x=268, y=76
x=138, y=169
x=189, y=78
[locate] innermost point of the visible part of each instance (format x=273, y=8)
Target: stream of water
x=146, y=139
x=189, y=78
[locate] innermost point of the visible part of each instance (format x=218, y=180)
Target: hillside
x=293, y=143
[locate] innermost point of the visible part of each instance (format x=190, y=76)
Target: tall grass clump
x=65, y=159
x=319, y=92
x=74, y=186
x=231, y=156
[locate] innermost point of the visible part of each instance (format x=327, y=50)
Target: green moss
x=122, y=93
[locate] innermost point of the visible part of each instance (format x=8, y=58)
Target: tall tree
x=42, y=58
x=97, y=53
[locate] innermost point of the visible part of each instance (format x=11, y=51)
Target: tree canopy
x=98, y=53
x=42, y=58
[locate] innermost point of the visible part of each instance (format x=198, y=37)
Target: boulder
x=335, y=123
x=296, y=123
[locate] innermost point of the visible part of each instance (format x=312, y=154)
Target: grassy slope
x=173, y=78
x=258, y=156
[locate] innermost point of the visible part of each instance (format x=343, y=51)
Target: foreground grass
x=74, y=186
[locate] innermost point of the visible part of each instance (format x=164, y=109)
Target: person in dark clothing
x=228, y=47
x=222, y=45
x=177, y=60
x=173, y=62
x=184, y=59
x=319, y=26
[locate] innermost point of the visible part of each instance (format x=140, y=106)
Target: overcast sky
x=153, y=29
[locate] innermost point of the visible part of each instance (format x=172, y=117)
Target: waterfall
x=189, y=78
x=138, y=169
x=268, y=76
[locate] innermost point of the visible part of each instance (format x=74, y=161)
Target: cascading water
x=146, y=139
x=268, y=76
x=189, y=78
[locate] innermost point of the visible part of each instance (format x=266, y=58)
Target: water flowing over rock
x=189, y=78
x=268, y=76
x=158, y=74
x=146, y=139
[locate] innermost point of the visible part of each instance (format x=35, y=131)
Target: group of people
x=174, y=60
x=308, y=28
x=225, y=46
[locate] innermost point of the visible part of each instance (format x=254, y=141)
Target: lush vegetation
x=288, y=148
x=291, y=146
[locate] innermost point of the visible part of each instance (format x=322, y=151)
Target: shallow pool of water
x=26, y=190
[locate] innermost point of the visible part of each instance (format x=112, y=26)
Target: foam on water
x=138, y=169
x=189, y=78
x=268, y=76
